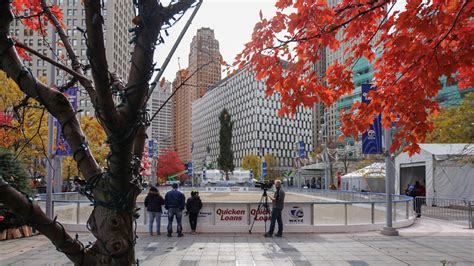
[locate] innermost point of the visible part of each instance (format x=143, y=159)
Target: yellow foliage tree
x=272, y=163
x=455, y=124
x=95, y=135
x=26, y=136
x=254, y=162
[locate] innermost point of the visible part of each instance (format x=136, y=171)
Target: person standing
x=415, y=193
x=174, y=203
x=193, y=206
x=153, y=203
x=278, y=201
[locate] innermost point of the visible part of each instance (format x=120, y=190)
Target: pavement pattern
x=428, y=242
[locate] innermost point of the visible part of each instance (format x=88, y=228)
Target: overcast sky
x=232, y=21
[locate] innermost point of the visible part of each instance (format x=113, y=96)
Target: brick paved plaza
x=428, y=242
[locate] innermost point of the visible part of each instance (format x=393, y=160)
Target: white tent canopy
x=369, y=178
x=447, y=170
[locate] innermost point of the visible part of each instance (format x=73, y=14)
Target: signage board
x=231, y=214
x=372, y=139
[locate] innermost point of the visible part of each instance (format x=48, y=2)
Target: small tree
x=225, y=161
x=272, y=163
x=455, y=124
x=169, y=164
x=12, y=171
x=252, y=162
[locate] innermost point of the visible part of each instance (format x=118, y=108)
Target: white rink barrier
x=332, y=211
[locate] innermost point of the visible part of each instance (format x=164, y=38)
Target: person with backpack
x=193, y=206
x=153, y=203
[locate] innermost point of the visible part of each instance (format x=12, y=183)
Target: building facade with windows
x=204, y=70
x=118, y=17
x=160, y=127
x=181, y=115
x=256, y=124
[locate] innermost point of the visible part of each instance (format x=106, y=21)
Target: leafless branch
x=73, y=73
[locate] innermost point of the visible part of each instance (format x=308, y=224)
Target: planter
x=14, y=233
x=26, y=230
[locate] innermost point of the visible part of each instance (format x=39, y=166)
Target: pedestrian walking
x=174, y=203
x=193, y=206
x=278, y=200
x=153, y=203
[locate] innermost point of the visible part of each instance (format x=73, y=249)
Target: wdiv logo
x=296, y=215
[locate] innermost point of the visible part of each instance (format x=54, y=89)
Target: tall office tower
x=204, y=50
x=181, y=115
x=256, y=124
x=118, y=17
x=204, y=70
x=318, y=109
x=160, y=127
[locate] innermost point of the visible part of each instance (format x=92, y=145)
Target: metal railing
x=446, y=209
x=326, y=207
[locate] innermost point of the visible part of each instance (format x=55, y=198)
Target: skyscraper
x=117, y=15
x=181, y=115
x=204, y=57
x=204, y=70
x=160, y=127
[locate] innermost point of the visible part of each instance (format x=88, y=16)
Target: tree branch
x=81, y=78
x=54, y=101
x=105, y=106
x=55, y=232
x=329, y=28
x=76, y=65
x=152, y=16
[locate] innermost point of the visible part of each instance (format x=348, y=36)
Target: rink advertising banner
x=231, y=214
x=260, y=215
x=297, y=214
x=372, y=138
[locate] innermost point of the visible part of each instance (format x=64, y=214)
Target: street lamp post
x=323, y=138
x=49, y=165
x=388, y=230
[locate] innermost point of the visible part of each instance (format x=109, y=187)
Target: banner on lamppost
x=264, y=169
x=190, y=169
x=62, y=147
x=151, y=146
x=301, y=149
x=251, y=176
x=204, y=173
x=372, y=139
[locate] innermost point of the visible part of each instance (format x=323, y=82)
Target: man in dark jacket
x=153, y=203
x=174, y=203
x=278, y=201
x=193, y=206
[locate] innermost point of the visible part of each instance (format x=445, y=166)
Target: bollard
x=372, y=213
x=471, y=221
x=78, y=212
